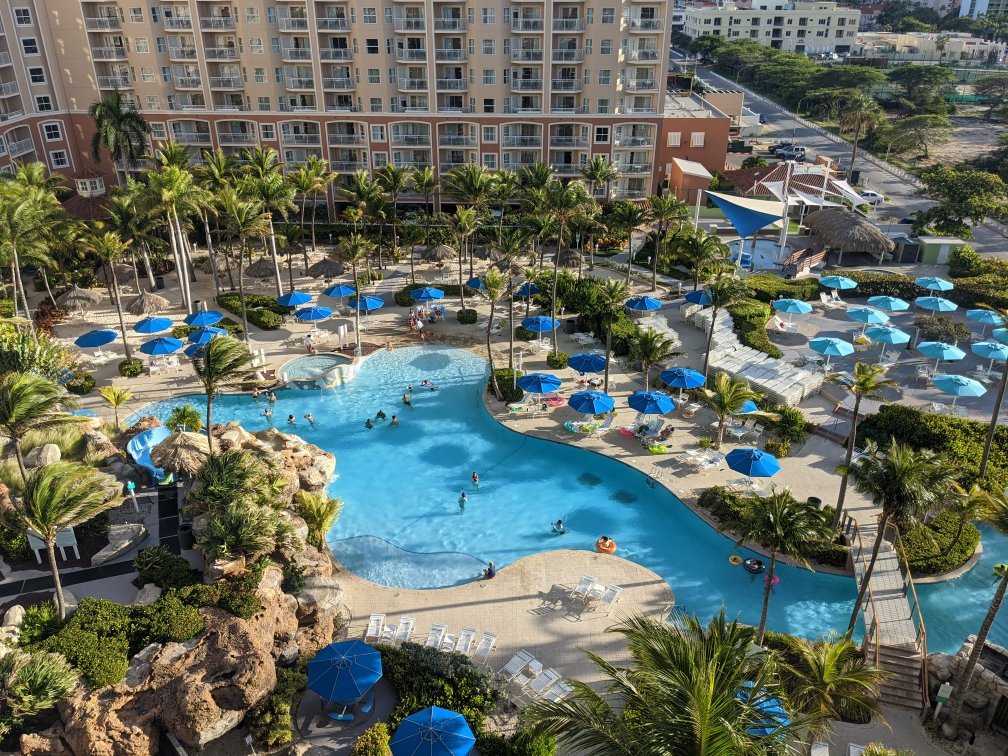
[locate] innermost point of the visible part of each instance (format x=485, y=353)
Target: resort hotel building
x=415, y=83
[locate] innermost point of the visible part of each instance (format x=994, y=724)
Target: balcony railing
x=410, y=24
x=347, y=166
x=633, y=140
x=300, y=82
x=111, y=53
x=453, y=85
x=449, y=24
x=104, y=23
x=523, y=110
x=573, y=110
x=453, y=109
x=188, y=82
x=457, y=140
x=10, y=114
x=412, y=85
x=236, y=137
x=324, y=23
x=8, y=88
x=564, y=56
x=309, y=139
x=640, y=85
x=567, y=169
x=338, y=107
x=447, y=166
x=221, y=53
x=226, y=82
x=293, y=24
x=522, y=140
x=20, y=147
x=526, y=85
x=178, y=22
x=338, y=83
x=526, y=56
x=191, y=137
x=450, y=55
x=410, y=140
x=217, y=22
x=346, y=138
x=114, y=82
x=646, y=53
x=649, y=110
x=527, y=24
x=5, y=59
x=645, y=24
x=627, y=168
x=411, y=54
x=297, y=53
x=176, y=52
x=334, y=53
x=566, y=85
x=397, y=108
x=564, y=140
x=287, y=108
x=568, y=24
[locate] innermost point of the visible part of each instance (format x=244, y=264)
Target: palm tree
x=727, y=398
x=689, y=689
x=995, y=413
x=537, y=176
x=905, y=484
x=830, y=679
x=494, y=287
x=651, y=347
x=867, y=382
x=628, y=217
x=116, y=397
x=310, y=180
x=31, y=683
x=25, y=215
x=966, y=506
x=505, y=187
x=473, y=186
x=612, y=295
x=787, y=527
x=119, y=128
x=564, y=203
x=996, y=514
x=723, y=292
x=319, y=513
x=175, y=193
x=31, y=403
x=225, y=361
x=130, y=218
x=426, y=183
x=665, y=211
x=465, y=221
x=173, y=154
x=394, y=180
x=858, y=113
x=600, y=172
x=110, y=248
x=184, y=418
x=243, y=218
x=62, y=495
x=276, y=196
x=699, y=250
x=355, y=249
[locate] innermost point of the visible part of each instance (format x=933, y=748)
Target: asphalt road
x=902, y=197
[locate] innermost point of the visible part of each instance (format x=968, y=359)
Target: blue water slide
x=139, y=448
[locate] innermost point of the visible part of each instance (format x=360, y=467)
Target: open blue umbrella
x=294, y=299
x=752, y=462
x=96, y=339
x=426, y=294
x=792, y=307
x=747, y=408
x=933, y=283
x=340, y=290
x=643, y=304
x=990, y=350
x=586, y=362
x=527, y=289
x=699, y=297
x=152, y=325
x=651, y=402
x=433, y=732
x=161, y=345
x=540, y=324
x=344, y=672
x=838, y=282
x=984, y=318
x=885, y=302
x=867, y=315
x=195, y=351
x=831, y=347
x=204, y=335
x=1001, y=334
x=887, y=334
x=939, y=350
x=203, y=318
x=366, y=303
x=591, y=402
x=938, y=304
x=475, y=283
x=771, y=709
x=682, y=378
x=959, y=385
x=539, y=383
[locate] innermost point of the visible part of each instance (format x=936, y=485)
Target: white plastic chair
x=465, y=640
x=558, y=692
x=518, y=662
x=374, y=627
x=405, y=629
x=538, y=686
x=448, y=643
x=485, y=647
x=584, y=585
x=610, y=597
x=436, y=634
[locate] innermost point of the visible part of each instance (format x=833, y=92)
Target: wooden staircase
x=902, y=686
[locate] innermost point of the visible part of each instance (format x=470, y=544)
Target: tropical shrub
x=13, y=541
x=966, y=262
x=624, y=333
x=557, y=361
x=467, y=316
x=20, y=353
x=100, y=658
x=749, y=318
x=158, y=565
x=6, y=308
x=131, y=368
x=271, y=721
x=779, y=447
x=80, y=383
x=374, y=741
x=941, y=328
x=40, y=622
x=31, y=684
x=522, y=743
x=262, y=311
x=791, y=425
x=504, y=384
x=229, y=325
x=293, y=578
x=926, y=545
x=249, y=531
x=238, y=595
x=524, y=334
x=766, y=287
x=166, y=620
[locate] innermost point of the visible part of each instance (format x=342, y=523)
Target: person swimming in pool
x=310, y=418
x=409, y=389
x=463, y=500
x=368, y=424
x=558, y=527
x=291, y=420
x=268, y=414
x=428, y=385
x=475, y=480
x=272, y=397
x=407, y=399
x=394, y=421
x=381, y=415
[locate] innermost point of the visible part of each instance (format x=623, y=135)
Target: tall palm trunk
x=241, y=287
x=710, y=340
x=412, y=265
x=961, y=687
x=461, y=254
x=556, y=276
x=313, y=214
x=133, y=264
x=210, y=251
x=629, y=262
x=866, y=579
x=183, y=260
x=19, y=456
x=395, y=227
x=608, y=350
x=353, y=267
x=60, y=601
x=847, y=461
x=720, y=430
x=768, y=579
x=511, y=327
x=19, y=281
x=988, y=442
x=490, y=358
x=176, y=258
x=654, y=261
x=119, y=311
x=148, y=269
x=45, y=280
x=854, y=145
x=209, y=418
x=276, y=264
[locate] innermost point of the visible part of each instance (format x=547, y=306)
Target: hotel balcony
x=335, y=53
x=103, y=23
x=178, y=23
x=567, y=169
x=114, y=82
x=410, y=24
x=20, y=147
x=566, y=85
x=568, y=56
x=452, y=85
x=215, y=23
x=457, y=140
x=518, y=110
x=633, y=168
x=293, y=24
x=527, y=25
x=450, y=55
x=300, y=139
x=5, y=59
x=526, y=85
x=569, y=141
x=568, y=25
x=409, y=140
x=647, y=54
x=221, y=53
x=348, y=166
x=175, y=52
x=111, y=53
x=640, y=85
x=645, y=25
x=8, y=89
x=522, y=140
x=344, y=139
x=236, y=137
x=634, y=140
x=300, y=82
x=410, y=55
x=323, y=23
x=449, y=24
x=296, y=53
x=188, y=82
x=226, y=82
x=412, y=85
x=191, y=137
x=526, y=56
x=339, y=84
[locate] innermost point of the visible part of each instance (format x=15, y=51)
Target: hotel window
x=271, y=15
x=377, y=133
x=256, y=45
x=136, y=15
x=260, y=75
x=601, y=134
x=142, y=45
x=370, y=16
x=153, y=102
x=608, y=15
x=267, y=131
x=155, y=14
x=147, y=74
x=251, y=15
x=374, y=76
x=380, y=159
x=36, y=75
x=162, y=45
x=490, y=134
x=263, y=103
x=603, y=105
x=489, y=46
x=30, y=46
x=674, y=138
x=489, y=16
x=371, y=46
x=490, y=161
x=52, y=132
x=58, y=158
x=605, y=47
x=376, y=104
x=697, y=139
x=489, y=76
x=605, y=76
x=157, y=131
x=22, y=17
x=43, y=103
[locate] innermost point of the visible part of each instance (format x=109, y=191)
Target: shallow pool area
x=402, y=526
x=763, y=251
x=311, y=366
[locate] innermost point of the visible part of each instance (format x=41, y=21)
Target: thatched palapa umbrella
x=327, y=268
x=846, y=231
x=439, y=253
x=77, y=298
x=182, y=452
x=147, y=303
x=261, y=268
x=569, y=258
x=504, y=266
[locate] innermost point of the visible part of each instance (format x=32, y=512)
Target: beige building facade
x=803, y=26
x=415, y=83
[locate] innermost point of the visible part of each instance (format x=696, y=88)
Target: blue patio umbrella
x=792, y=307
x=152, y=325
x=748, y=407
x=203, y=318
x=195, y=351
x=433, y=732
x=1001, y=334
x=366, y=303
x=651, y=402
x=699, y=297
x=885, y=302
x=682, y=378
x=539, y=383
x=204, y=335
x=343, y=672
x=591, y=402
x=540, y=324
x=310, y=314
x=939, y=350
x=831, y=347
x=933, y=283
x=887, y=334
x=990, y=350
x=161, y=345
x=340, y=290
x=938, y=304
x=984, y=318
x=426, y=294
x=98, y=338
x=771, y=709
x=294, y=299
x=475, y=283
x=586, y=362
x=959, y=385
x=752, y=462
x=867, y=315
x=643, y=304
x=527, y=289
x=838, y=282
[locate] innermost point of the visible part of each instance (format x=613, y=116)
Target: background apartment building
x=411, y=82
x=808, y=27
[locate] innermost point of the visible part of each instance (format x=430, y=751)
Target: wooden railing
x=872, y=642
x=910, y=592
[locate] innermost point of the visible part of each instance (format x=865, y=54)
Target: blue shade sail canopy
x=683, y=378
x=838, y=282
x=938, y=304
x=161, y=345
x=93, y=339
x=433, y=732
x=885, y=302
x=746, y=215
x=344, y=671
x=650, y=402
x=933, y=283
x=643, y=304
x=539, y=383
x=591, y=402
x=366, y=303
x=294, y=299
x=152, y=325
x=310, y=314
x=586, y=362
x=753, y=462
x=540, y=324
x=426, y=294
x=339, y=290
x=203, y=318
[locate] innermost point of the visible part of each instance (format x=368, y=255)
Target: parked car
x=794, y=152
x=739, y=145
x=781, y=145
x=762, y=118
x=872, y=198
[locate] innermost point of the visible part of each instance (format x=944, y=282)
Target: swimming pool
x=765, y=252
x=401, y=524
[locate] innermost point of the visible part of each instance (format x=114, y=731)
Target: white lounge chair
x=374, y=627
x=836, y=298
x=388, y=633
x=584, y=585
x=524, y=404
x=530, y=673
x=653, y=430
x=465, y=640
x=558, y=692
x=405, y=629
x=610, y=596
x=830, y=303
x=436, y=634
x=485, y=647
x=606, y=425
x=518, y=662
x=448, y=643
x=542, y=683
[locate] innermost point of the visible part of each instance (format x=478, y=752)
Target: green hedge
x=13, y=541
x=509, y=393
x=524, y=334
x=557, y=361
x=131, y=368
x=766, y=287
x=81, y=383
x=926, y=545
x=6, y=308
x=236, y=595
x=403, y=299
x=262, y=311
x=987, y=290
x=522, y=743
x=749, y=317
x=156, y=564
x=467, y=316
x=233, y=328
x=271, y=722
x=952, y=438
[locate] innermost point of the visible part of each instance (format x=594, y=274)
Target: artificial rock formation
x=986, y=688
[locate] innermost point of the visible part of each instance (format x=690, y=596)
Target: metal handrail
x=921, y=640
x=872, y=633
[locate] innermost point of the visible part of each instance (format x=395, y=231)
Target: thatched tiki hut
x=146, y=303
x=843, y=230
x=182, y=452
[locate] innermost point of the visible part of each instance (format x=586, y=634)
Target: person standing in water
x=475, y=480
x=463, y=500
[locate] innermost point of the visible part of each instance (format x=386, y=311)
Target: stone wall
x=986, y=688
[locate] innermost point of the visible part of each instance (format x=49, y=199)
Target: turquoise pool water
x=401, y=524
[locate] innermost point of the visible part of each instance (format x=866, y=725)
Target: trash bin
x=855, y=177
x=159, y=283
x=816, y=501
x=185, y=536
x=570, y=327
